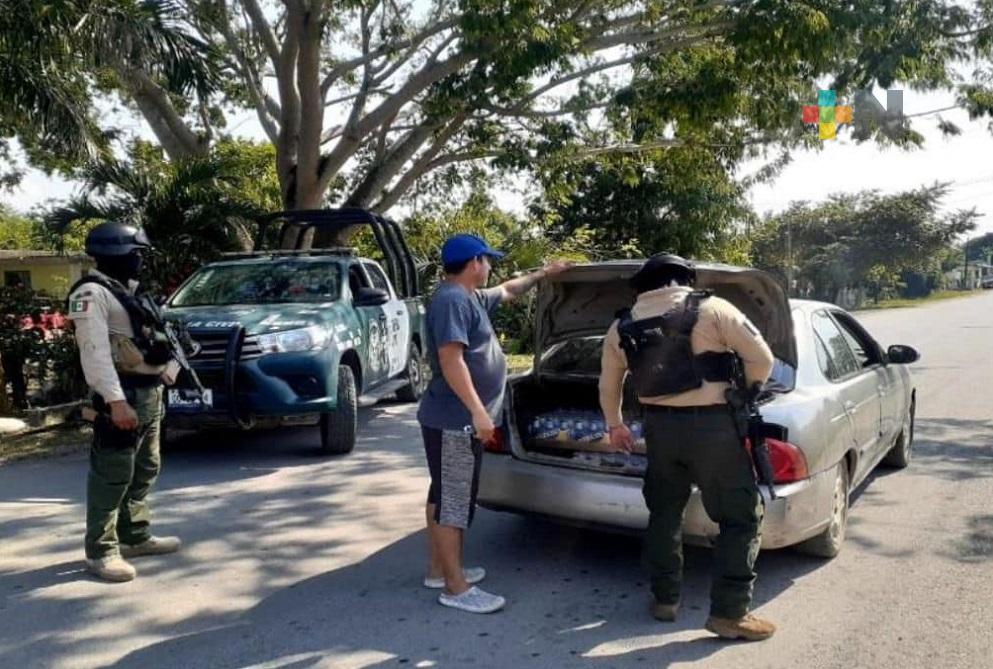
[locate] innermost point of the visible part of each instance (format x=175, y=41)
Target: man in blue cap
x=461, y=406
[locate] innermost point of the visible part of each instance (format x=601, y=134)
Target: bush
x=37, y=351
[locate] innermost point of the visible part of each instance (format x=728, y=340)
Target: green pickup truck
x=297, y=337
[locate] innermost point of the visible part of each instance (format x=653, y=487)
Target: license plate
x=187, y=399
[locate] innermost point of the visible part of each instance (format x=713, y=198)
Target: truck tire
x=338, y=427
x=414, y=388
x=828, y=543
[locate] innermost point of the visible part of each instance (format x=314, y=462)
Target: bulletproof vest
x=660, y=356
x=146, y=320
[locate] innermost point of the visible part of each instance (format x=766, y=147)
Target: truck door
x=372, y=323
x=396, y=320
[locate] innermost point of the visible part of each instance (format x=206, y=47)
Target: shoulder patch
x=79, y=305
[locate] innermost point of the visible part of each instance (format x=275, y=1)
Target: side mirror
x=370, y=297
x=902, y=355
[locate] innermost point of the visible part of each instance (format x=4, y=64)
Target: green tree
x=681, y=200
x=193, y=210
x=371, y=97
x=863, y=240
x=16, y=232
x=57, y=57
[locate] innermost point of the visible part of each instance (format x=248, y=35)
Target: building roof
x=29, y=254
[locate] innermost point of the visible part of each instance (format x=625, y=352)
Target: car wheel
x=415, y=375
x=828, y=543
x=338, y=427
x=899, y=456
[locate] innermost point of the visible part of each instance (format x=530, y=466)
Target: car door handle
x=399, y=313
x=850, y=407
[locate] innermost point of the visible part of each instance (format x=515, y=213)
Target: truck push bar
x=303, y=224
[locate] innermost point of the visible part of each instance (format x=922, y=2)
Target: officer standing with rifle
x=680, y=347
x=126, y=357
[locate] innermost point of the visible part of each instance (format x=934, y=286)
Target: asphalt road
x=296, y=561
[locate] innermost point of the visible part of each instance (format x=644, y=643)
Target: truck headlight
x=303, y=339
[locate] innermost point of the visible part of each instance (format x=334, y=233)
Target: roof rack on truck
x=302, y=224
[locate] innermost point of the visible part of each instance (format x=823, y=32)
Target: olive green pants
x=123, y=467
x=701, y=448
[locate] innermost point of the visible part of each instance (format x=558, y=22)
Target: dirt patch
x=46, y=443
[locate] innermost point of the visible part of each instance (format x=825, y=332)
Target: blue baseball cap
x=460, y=248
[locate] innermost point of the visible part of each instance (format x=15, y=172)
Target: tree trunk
x=5, y=407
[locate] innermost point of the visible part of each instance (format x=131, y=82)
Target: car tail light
x=788, y=462
x=497, y=444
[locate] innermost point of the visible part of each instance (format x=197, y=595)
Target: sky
x=841, y=165
x=966, y=161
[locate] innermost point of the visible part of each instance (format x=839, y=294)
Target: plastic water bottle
x=636, y=432
x=597, y=430
x=580, y=429
x=567, y=422
x=549, y=428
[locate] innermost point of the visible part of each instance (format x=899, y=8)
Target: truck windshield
x=285, y=281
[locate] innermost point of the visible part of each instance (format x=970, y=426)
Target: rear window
x=582, y=357
x=290, y=281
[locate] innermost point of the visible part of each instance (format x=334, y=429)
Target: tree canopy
x=859, y=240
x=361, y=99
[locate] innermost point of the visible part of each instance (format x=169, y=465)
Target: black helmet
x=660, y=269
x=116, y=239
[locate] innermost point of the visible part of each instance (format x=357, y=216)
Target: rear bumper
x=800, y=511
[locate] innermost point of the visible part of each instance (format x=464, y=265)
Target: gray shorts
x=453, y=460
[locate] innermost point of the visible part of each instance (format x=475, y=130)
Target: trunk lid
x=584, y=301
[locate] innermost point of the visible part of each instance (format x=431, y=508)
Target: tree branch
x=633, y=38
x=263, y=28
x=289, y=102
x=311, y=102
x=347, y=66
x=379, y=177
x=265, y=107
x=352, y=137
x=176, y=137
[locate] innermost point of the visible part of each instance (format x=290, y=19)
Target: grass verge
x=937, y=296
x=46, y=443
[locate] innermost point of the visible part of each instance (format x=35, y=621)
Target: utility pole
x=965, y=268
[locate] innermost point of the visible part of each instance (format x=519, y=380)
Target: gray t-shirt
x=456, y=315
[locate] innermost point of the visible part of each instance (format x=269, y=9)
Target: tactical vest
x=145, y=317
x=660, y=356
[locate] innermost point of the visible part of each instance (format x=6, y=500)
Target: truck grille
x=213, y=348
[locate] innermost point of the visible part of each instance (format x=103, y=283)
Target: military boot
x=152, y=546
x=748, y=627
x=111, y=568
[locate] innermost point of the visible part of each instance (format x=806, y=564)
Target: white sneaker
x=152, y=546
x=473, y=600
x=111, y=568
x=472, y=575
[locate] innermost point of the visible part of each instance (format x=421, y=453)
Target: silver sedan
x=839, y=403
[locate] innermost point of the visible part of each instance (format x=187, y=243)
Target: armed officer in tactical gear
x=678, y=345
x=126, y=359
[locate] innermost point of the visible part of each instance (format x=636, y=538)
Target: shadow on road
x=954, y=449
x=577, y=598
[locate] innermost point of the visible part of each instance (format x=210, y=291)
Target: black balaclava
x=123, y=268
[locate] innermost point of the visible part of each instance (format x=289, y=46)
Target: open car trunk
x=555, y=413
x=557, y=420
